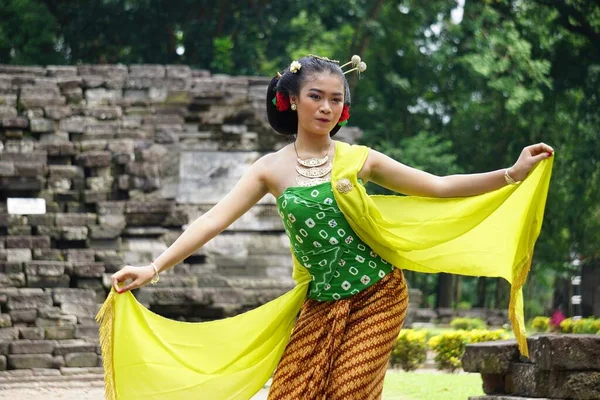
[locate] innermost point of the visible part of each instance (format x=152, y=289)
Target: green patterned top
x=340, y=264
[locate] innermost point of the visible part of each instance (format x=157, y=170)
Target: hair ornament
x=355, y=60
x=295, y=67
x=323, y=58
x=281, y=101
x=345, y=115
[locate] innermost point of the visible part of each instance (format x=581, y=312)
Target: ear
x=294, y=99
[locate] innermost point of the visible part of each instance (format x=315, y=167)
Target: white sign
x=576, y=299
x=576, y=280
x=21, y=206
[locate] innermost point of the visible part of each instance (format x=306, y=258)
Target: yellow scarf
x=147, y=356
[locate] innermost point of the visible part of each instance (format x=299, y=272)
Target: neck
x=313, y=145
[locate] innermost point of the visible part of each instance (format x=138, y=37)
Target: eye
x=337, y=100
x=315, y=96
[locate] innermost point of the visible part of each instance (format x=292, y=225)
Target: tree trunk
x=481, y=283
x=445, y=286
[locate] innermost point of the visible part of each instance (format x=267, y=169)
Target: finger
x=130, y=286
x=540, y=157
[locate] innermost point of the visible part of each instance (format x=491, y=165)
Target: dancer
x=348, y=248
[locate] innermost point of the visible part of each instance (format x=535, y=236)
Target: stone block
x=45, y=268
x=19, y=230
x=73, y=95
x=57, y=113
x=87, y=332
x=100, y=183
x=3, y=363
x=100, y=96
x=25, y=316
x=72, y=219
x=28, y=361
x=61, y=281
x=53, y=232
x=10, y=267
x=30, y=101
x=79, y=309
x=13, y=280
x=29, y=169
x=15, y=123
x=80, y=255
x=75, y=124
x=47, y=219
x=27, y=242
x=7, y=334
x=88, y=270
x=74, y=346
x=574, y=352
x=59, y=332
x=31, y=333
x=29, y=299
x=41, y=125
x=528, y=380
x=32, y=347
x=48, y=255
x=94, y=159
x=65, y=171
x=147, y=71
x=50, y=313
x=5, y=321
x=7, y=168
x=87, y=359
x=95, y=196
x=7, y=111
x=74, y=232
x=103, y=113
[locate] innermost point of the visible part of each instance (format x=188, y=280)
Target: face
x=320, y=103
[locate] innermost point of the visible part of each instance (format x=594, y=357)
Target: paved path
x=65, y=391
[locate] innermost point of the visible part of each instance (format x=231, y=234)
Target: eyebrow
x=320, y=91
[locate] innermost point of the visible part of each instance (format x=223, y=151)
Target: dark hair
x=286, y=122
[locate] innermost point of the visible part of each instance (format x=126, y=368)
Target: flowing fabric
x=147, y=356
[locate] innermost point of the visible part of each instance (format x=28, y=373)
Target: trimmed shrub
x=410, y=350
x=541, y=324
x=566, y=326
x=450, y=347
x=586, y=325
x=468, y=324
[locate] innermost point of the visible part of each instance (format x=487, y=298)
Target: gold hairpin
x=324, y=58
x=358, y=65
x=278, y=75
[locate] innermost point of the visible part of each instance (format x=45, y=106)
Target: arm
x=247, y=192
x=398, y=177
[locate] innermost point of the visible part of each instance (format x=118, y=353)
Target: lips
x=322, y=119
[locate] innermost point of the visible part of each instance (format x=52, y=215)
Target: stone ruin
x=125, y=157
x=560, y=367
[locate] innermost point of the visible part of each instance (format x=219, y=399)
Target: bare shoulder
x=275, y=168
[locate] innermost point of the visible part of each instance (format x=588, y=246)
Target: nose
x=325, y=108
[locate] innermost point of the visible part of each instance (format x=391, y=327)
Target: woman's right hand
x=140, y=276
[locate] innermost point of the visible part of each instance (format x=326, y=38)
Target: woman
x=356, y=298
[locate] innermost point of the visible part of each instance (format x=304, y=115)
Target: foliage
x=541, y=324
x=468, y=324
x=410, y=349
x=450, y=346
x=442, y=95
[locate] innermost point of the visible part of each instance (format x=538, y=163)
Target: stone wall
x=125, y=157
x=560, y=367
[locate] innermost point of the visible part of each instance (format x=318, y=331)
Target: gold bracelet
x=156, y=277
x=509, y=180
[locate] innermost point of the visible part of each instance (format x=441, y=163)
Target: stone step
x=506, y=397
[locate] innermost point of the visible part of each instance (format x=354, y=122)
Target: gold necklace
x=311, y=171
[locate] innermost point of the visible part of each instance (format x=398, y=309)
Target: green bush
x=450, y=347
x=468, y=324
x=586, y=325
x=566, y=326
x=410, y=350
x=541, y=324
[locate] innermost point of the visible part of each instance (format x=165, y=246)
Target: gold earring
x=294, y=107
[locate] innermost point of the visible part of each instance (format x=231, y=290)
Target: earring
x=294, y=107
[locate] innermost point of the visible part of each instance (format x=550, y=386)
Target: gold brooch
x=344, y=185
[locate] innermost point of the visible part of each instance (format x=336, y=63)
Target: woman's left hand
x=529, y=157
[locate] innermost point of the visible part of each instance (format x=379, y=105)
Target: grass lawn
x=401, y=385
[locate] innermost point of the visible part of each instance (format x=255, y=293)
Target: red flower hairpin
x=345, y=116
x=281, y=101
